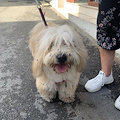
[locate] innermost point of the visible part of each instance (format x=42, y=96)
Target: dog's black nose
x=61, y=58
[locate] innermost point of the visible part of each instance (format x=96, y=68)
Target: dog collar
x=59, y=82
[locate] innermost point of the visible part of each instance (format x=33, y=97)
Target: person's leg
x=107, y=60
x=105, y=75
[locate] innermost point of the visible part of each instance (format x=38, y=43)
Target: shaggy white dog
x=59, y=57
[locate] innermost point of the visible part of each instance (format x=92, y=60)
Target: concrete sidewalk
x=19, y=99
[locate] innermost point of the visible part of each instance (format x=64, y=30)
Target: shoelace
x=99, y=78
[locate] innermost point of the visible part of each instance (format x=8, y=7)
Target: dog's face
x=61, y=55
x=57, y=48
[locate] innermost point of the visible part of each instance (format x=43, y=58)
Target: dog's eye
x=63, y=43
x=52, y=44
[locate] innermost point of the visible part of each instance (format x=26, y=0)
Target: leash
x=39, y=4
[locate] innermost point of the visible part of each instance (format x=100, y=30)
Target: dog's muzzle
x=62, y=65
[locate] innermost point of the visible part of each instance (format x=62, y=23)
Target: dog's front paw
x=67, y=99
x=48, y=96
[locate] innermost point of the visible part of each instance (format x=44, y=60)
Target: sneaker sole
x=109, y=82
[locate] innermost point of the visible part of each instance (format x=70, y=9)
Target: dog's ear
x=36, y=50
x=81, y=51
x=82, y=57
x=37, y=66
x=35, y=36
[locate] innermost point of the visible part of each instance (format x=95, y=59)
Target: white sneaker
x=96, y=83
x=117, y=103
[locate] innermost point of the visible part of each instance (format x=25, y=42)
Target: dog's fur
x=59, y=57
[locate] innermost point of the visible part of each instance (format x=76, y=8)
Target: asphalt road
x=19, y=99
